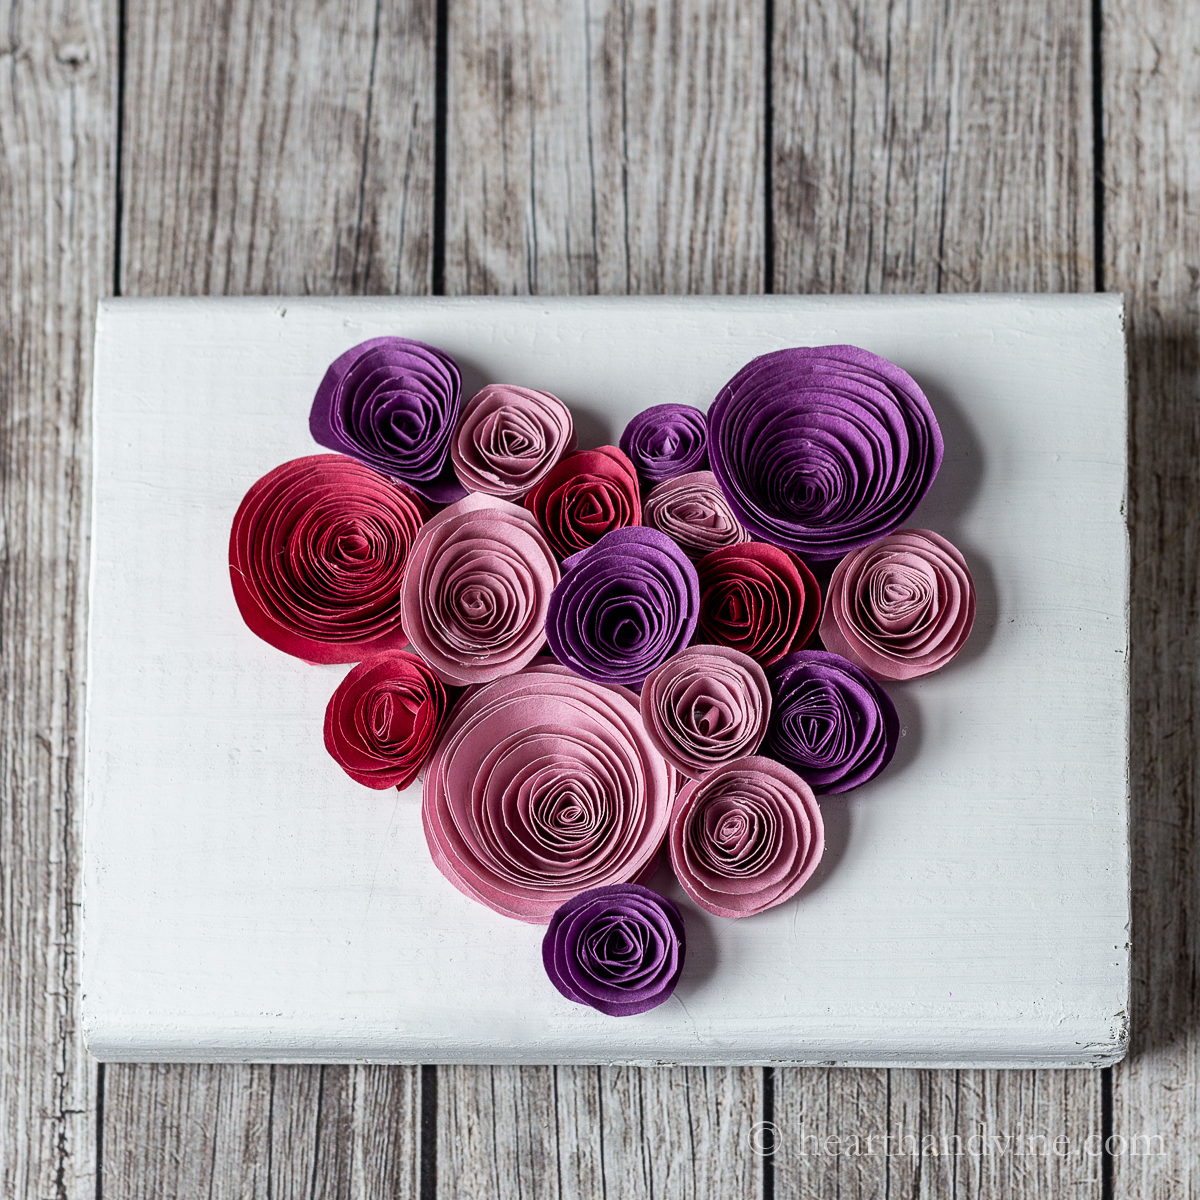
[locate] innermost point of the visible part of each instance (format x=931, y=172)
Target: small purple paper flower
x=666, y=440
x=823, y=449
x=830, y=721
x=393, y=403
x=619, y=949
x=623, y=607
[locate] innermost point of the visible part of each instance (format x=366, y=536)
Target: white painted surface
x=244, y=900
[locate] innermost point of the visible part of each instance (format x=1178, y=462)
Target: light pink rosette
x=544, y=785
x=692, y=510
x=508, y=438
x=475, y=590
x=705, y=706
x=745, y=837
x=901, y=607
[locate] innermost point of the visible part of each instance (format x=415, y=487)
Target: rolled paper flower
x=475, y=594
x=623, y=607
x=706, y=706
x=544, y=785
x=508, y=438
x=692, y=510
x=901, y=607
x=392, y=403
x=823, y=449
x=619, y=949
x=745, y=837
x=584, y=496
x=317, y=555
x=758, y=599
x=666, y=440
x=830, y=721
x=382, y=722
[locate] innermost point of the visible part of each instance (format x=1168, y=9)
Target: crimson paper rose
x=745, y=837
x=509, y=438
x=902, y=607
x=588, y=494
x=317, y=556
x=619, y=949
x=384, y=718
x=476, y=590
x=392, y=403
x=758, y=599
x=543, y=785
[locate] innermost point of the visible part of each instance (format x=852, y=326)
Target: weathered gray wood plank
x=1152, y=253
x=919, y=148
x=273, y=147
x=603, y=147
x=278, y=147
x=57, y=131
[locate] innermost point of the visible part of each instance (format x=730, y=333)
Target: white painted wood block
x=245, y=901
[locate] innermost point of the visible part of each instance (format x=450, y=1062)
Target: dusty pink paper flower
x=745, y=837
x=508, y=439
x=692, y=510
x=476, y=589
x=901, y=607
x=706, y=706
x=544, y=785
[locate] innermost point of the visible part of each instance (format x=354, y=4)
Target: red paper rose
x=588, y=494
x=317, y=555
x=384, y=719
x=757, y=598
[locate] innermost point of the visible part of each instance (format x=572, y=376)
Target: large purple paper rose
x=623, y=607
x=830, y=721
x=619, y=949
x=393, y=404
x=665, y=440
x=823, y=449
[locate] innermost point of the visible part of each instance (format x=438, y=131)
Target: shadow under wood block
x=1164, y=499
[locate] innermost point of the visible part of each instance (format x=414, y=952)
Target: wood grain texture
x=269, y=1132
x=278, y=147
x=919, y=148
x=1151, y=103
x=932, y=146
x=605, y=146
x=57, y=129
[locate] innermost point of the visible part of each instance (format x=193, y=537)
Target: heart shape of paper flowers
x=757, y=598
x=584, y=496
x=902, y=607
x=830, y=721
x=382, y=722
x=665, y=440
x=624, y=606
x=508, y=439
x=745, y=837
x=544, y=785
x=476, y=590
x=705, y=706
x=392, y=403
x=823, y=449
x=317, y=555
x=619, y=949
x=693, y=512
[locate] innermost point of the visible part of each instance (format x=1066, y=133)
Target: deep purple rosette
x=393, y=403
x=823, y=449
x=623, y=607
x=666, y=440
x=830, y=721
x=619, y=949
